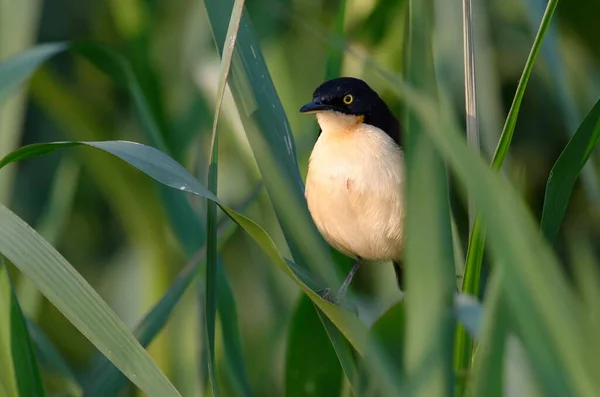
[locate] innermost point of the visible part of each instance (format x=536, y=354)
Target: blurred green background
x=106, y=218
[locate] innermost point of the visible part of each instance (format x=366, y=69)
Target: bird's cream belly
x=364, y=225
x=358, y=204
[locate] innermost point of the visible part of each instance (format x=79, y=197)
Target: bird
x=354, y=186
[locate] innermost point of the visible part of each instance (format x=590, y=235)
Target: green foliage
x=111, y=310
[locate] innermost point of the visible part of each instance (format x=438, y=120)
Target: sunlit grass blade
x=429, y=258
x=566, y=170
x=211, y=291
x=167, y=171
x=54, y=367
x=311, y=365
x=77, y=300
x=20, y=373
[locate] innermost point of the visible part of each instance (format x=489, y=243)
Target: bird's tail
x=398, y=268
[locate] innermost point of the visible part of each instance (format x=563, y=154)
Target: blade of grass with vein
x=78, y=301
x=105, y=379
x=210, y=309
x=20, y=373
x=167, y=171
x=464, y=345
x=470, y=99
x=566, y=170
x=429, y=257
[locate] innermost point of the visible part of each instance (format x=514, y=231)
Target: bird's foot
x=326, y=294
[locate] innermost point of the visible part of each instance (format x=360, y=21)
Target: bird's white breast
x=355, y=188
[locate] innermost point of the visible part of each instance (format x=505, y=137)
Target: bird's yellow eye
x=348, y=99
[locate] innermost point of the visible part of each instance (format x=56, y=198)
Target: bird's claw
x=326, y=294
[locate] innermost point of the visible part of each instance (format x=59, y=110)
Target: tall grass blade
x=474, y=261
x=564, y=93
x=470, y=91
x=210, y=309
x=549, y=320
x=566, y=170
x=271, y=140
x=77, y=300
x=513, y=113
x=20, y=373
x=463, y=342
x=429, y=258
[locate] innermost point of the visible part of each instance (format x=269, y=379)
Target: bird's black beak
x=315, y=106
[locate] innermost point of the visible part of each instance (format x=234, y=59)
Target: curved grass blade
x=78, y=301
x=20, y=373
x=311, y=364
x=429, y=257
x=551, y=51
x=167, y=171
x=210, y=302
x=566, y=170
x=18, y=68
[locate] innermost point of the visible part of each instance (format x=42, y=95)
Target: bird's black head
x=349, y=95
